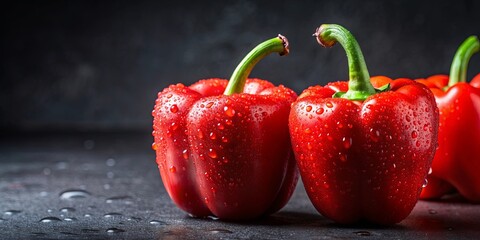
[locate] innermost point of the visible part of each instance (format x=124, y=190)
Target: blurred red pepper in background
x=363, y=153
x=227, y=155
x=457, y=162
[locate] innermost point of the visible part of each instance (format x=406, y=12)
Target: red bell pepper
x=227, y=155
x=363, y=153
x=457, y=161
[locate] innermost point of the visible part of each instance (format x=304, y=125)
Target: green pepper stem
x=239, y=76
x=359, y=86
x=458, y=70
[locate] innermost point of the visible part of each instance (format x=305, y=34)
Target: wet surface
x=97, y=186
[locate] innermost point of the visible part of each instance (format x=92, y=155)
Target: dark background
x=97, y=65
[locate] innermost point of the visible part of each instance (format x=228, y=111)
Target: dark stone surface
x=118, y=188
x=100, y=64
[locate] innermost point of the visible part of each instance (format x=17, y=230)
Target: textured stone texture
x=118, y=188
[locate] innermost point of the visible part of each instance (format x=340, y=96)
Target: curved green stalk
x=359, y=86
x=458, y=70
x=239, y=76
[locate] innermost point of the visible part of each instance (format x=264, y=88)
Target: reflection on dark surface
x=76, y=198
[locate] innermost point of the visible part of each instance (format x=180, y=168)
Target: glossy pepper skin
x=457, y=161
x=363, y=153
x=224, y=150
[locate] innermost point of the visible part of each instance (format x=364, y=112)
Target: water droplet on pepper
x=211, y=153
x=414, y=134
x=309, y=146
x=425, y=183
x=347, y=142
x=374, y=135
x=213, y=136
x=174, y=108
x=229, y=111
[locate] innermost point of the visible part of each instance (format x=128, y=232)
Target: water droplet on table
x=12, y=212
x=50, y=219
x=70, y=219
x=110, y=162
x=115, y=230
x=74, y=194
x=67, y=209
x=213, y=218
x=134, y=218
x=112, y=215
x=157, y=222
x=122, y=199
x=363, y=233
x=219, y=230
